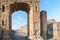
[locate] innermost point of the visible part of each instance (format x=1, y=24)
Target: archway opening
x=19, y=19
x=19, y=24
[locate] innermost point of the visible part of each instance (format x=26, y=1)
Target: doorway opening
x=19, y=24
x=19, y=19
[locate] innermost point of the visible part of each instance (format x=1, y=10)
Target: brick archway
x=32, y=9
x=19, y=6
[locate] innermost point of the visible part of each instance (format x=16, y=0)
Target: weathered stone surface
x=53, y=28
x=31, y=7
x=58, y=30
x=22, y=30
x=53, y=32
x=43, y=17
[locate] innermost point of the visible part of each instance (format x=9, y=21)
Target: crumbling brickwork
x=7, y=7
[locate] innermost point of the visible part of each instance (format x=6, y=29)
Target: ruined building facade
x=53, y=30
x=36, y=19
x=7, y=7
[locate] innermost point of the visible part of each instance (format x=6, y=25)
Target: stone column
x=0, y=19
x=0, y=13
x=36, y=20
x=43, y=17
x=7, y=23
x=31, y=32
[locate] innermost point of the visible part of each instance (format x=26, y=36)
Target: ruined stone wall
x=9, y=6
x=58, y=30
x=52, y=29
x=22, y=30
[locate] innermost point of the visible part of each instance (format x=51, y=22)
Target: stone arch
x=19, y=6
x=24, y=7
x=27, y=5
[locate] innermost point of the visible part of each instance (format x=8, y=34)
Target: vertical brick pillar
x=43, y=17
x=31, y=32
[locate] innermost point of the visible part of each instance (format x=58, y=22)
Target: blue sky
x=52, y=7
x=19, y=18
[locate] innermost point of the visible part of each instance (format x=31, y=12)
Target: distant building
x=23, y=30
x=58, y=30
x=53, y=31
